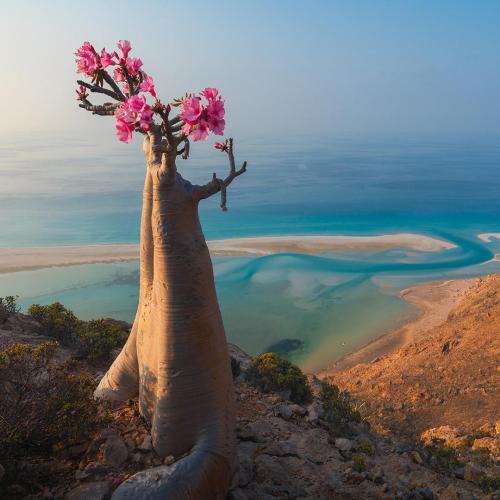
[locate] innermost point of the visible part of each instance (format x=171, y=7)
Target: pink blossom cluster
x=199, y=118
x=89, y=62
x=201, y=114
x=132, y=113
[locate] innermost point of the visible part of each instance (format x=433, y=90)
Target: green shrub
x=367, y=449
x=489, y=484
x=94, y=340
x=43, y=406
x=359, y=462
x=8, y=306
x=339, y=411
x=97, y=338
x=443, y=457
x=273, y=373
x=56, y=321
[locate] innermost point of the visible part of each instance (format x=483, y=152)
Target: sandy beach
x=435, y=300
x=25, y=259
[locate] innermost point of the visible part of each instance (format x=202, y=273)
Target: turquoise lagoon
x=313, y=309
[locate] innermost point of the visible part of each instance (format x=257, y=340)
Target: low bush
x=358, y=462
x=97, y=339
x=43, y=406
x=56, y=321
x=273, y=373
x=94, y=340
x=443, y=457
x=367, y=449
x=8, y=306
x=489, y=484
x=338, y=410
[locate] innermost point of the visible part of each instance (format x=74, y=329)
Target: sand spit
x=25, y=259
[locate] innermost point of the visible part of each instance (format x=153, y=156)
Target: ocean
x=313, y=309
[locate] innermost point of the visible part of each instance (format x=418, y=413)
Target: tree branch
x=100, y=90
x=216, y=184
x=106, y=109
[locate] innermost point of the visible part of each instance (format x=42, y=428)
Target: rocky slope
x=430, y=415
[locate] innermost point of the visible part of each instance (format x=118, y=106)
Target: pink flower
x=210, y=93
x=200, y=133
x=134, y=112
x=124, y=130
x=215, y=110
x=125, y=47
x=215, y=116
x=191, y=110
x=146, y=118
x=223, y=146
x=199, y=119
x=186, y=129
x=133, y=65
x=87, y=59
x=136, y=103
x=118, y=75
x=82, y=93
x=147, y=85
x=106, y=58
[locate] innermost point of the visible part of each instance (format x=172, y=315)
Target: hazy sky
x=318, y=67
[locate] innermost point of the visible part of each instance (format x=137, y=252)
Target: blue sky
x=326, y=68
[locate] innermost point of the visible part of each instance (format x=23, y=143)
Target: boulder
x=489, y=443
x=344, y=444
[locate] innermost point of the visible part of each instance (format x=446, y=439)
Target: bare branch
x=113, y=85
x=99, y=90
x=107, y=109
x=216, y=184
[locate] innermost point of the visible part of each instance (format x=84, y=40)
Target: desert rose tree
x=176, y=359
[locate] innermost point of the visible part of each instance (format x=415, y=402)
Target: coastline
x=435, y=299
x=31, y=258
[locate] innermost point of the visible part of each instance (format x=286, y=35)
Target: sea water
x=311, y=308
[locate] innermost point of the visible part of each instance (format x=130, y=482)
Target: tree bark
x=176, y=358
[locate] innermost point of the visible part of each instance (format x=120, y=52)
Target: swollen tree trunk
x=176, y=358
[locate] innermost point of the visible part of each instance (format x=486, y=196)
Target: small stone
x=146, y=444
x=95, y=468
x=424, y=493
x=314, y=412
x=80, y=474
x=98, y=490
x=169, y=460
x=344, y=444
x=297, y=409
x=114, y=451
x=237, y=494
x=283, y=411
x=416, y=457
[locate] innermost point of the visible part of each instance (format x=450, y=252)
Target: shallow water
x=319, y=307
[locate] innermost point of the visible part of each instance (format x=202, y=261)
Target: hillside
x=356, y=445
x=447, y=375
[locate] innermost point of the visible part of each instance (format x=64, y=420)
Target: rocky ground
x=410, y=446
